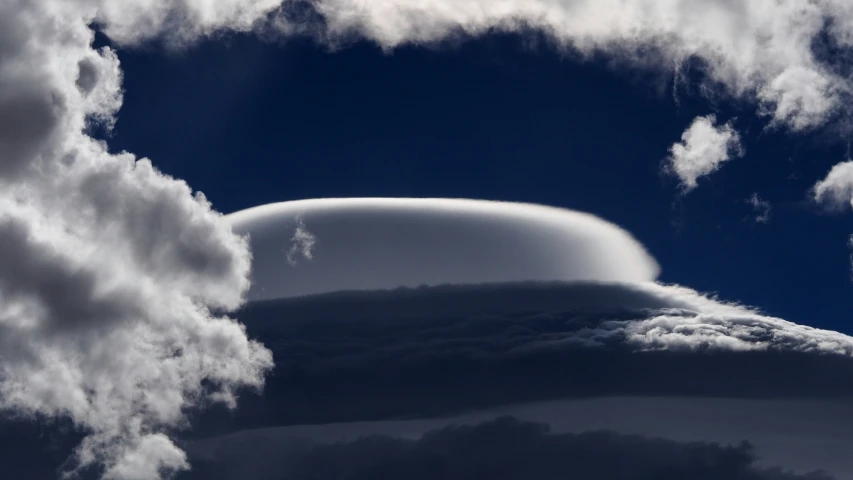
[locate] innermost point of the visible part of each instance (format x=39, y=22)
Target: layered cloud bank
x=376, y=243
x=771, y=52
x=644, y=359
x=440, y=351
x=505, y=449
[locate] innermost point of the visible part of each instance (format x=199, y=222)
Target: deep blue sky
x=249, y=123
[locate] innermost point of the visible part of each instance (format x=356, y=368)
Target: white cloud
x=372, y=243
x=302, y=243
x=110, y=269
x=760, y=50
x=761, y=208
x=656, y=359
x=836, y=189
x=704, y=147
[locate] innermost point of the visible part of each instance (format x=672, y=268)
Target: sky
x=709, y=139
x=502, y=117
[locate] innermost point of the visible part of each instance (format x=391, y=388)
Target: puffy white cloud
x=372, y=243
x=109, y=270
x=704, y=147
x=836, y=189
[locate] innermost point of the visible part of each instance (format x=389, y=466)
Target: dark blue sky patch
x=498, y=118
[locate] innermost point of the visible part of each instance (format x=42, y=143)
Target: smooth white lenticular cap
x=380, y=243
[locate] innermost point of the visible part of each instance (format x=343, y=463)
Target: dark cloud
x=502, y=449
x=441, y=351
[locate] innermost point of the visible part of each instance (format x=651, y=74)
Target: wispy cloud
x=761, y=208
x=302, y=243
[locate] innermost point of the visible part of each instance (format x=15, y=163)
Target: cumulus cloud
x=109, y=270
x=504, y=448
x=836, y=190
x=703, y=149
x=761, y=208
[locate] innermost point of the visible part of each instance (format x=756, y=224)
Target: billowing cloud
x=374, y=243
x=109, y=270
x=703, y=149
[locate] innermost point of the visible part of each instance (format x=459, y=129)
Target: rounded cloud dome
x=316, y=246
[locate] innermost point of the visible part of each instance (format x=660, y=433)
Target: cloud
x=504, y=448
x=763, y=51
x=768, y=52
x=761, y=208
x=374, y=243
x=111, y=324
x=703, y=149
x=302, y=243
x=835, y=191
x=441, y=351
x=109, y=270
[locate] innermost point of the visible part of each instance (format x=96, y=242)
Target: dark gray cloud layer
x=502, y=449
x=441, y=351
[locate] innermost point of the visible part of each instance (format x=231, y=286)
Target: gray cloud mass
x=440, y=351
x=502, y=449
